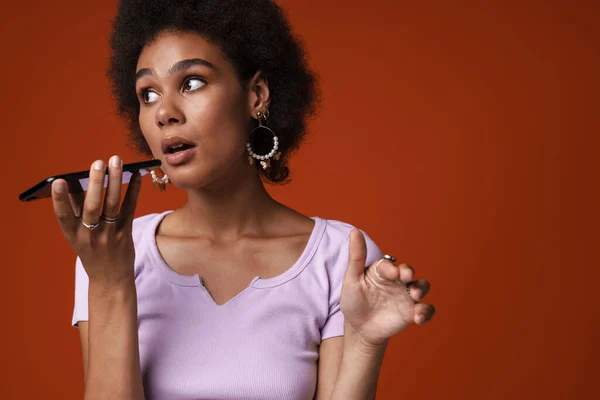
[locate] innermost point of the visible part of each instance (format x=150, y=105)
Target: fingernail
x=98, y=165
x=57, y=187
x=115, y=161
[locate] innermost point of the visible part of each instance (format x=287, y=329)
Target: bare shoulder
x=292, y=222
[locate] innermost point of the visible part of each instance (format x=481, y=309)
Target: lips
x=180, y=157
x=172, y=144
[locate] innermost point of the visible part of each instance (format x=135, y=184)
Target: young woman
x=234, y=295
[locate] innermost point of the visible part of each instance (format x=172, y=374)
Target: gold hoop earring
x=263, y=159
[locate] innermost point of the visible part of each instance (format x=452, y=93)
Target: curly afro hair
x=252, y=34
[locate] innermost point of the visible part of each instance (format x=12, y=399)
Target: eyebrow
x=177, y=67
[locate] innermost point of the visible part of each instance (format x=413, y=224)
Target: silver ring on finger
x=109, y=220
x=390, y=258
x=90, y=226
x=408, y=285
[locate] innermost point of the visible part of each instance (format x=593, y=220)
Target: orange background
x=462, y=138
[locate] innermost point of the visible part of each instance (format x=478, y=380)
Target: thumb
x=357, y=256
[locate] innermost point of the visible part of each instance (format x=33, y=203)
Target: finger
x=77, y=200
x=385, y=270
x=419, y=289
x=113, y=192
x=357, y=256
x=62, y=207
x=407, y=273
x=423, y=313
x=93, y=200
x=127, y=212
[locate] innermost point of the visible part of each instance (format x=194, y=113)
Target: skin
x=229, y=216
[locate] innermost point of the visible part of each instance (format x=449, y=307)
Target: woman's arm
x=359, y=369
x=348, y=368
x=113, y=362
x=101, y=233
x=85, y=347
x=378, y=302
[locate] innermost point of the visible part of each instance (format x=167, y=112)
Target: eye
x=193, y=83
x=148, y=96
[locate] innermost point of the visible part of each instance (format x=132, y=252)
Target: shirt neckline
x=259, y=283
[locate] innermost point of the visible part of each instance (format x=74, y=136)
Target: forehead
x=170, y=47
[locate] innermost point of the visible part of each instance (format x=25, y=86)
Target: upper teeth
x=176, y=146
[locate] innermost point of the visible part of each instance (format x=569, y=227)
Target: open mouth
x=179, y=147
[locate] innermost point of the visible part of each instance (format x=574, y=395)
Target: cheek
x=149, y=130
x=225, y=141
x=224, y=126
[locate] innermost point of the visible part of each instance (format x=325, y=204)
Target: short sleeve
x=80, y=310
x=334, y=326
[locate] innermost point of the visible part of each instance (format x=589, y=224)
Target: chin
x=199, y=174
x=189, y=180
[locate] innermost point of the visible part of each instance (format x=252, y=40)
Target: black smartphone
x=78, y=181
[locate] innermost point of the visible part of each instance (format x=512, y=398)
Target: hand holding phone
x=99, y=228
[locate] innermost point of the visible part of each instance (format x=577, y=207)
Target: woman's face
x=190, y=94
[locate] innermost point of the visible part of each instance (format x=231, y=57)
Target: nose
x=168, y=114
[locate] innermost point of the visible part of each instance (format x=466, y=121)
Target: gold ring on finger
x=91, y=226
x=109, y=220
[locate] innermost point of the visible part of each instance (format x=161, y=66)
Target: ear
x=258, y=95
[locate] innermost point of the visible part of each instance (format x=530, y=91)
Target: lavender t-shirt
x=261, y=344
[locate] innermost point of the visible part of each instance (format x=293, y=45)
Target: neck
x=229, y=209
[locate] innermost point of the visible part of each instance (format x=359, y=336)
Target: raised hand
x=98, y=229
x=383, y=299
